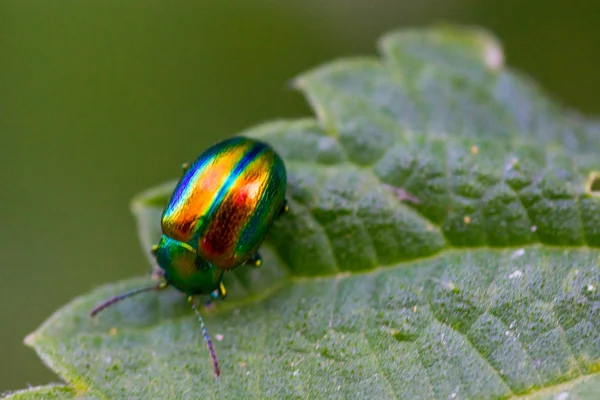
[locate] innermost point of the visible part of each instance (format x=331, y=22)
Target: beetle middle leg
x=220, y=293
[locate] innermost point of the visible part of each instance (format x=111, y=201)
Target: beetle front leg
x=284, y=209
x=184, y=167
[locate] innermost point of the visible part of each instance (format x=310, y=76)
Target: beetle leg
x=158, y=273
x=185, y=166
x=255, y=260
x=285, y=208
x=220, y=293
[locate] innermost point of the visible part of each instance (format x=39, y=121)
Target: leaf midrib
x=255, y=298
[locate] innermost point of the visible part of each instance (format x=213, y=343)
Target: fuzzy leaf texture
x=443, y=243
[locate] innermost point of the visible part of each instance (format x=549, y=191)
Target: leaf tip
x=30, y=339
x=482, y=44
x=491, y=50
x=493, y=55
x=296, y=83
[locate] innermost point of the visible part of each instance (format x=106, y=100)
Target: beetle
x=218, y=216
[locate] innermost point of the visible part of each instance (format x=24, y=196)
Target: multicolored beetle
x=217, y=218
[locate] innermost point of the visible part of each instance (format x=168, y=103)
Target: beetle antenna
x=123, y=296
x=209, y=344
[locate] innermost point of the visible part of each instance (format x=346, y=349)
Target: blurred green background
x=100, y=99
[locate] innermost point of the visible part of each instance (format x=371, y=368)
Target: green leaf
x=443, y=242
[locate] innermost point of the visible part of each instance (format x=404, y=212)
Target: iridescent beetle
x=217, y=218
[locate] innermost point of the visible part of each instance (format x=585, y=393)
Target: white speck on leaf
x=402, y=194
x=514, y=163
x=518, y=253
x=296, y=372
x=516, y=274
x=454, y=392
x=591, y=288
